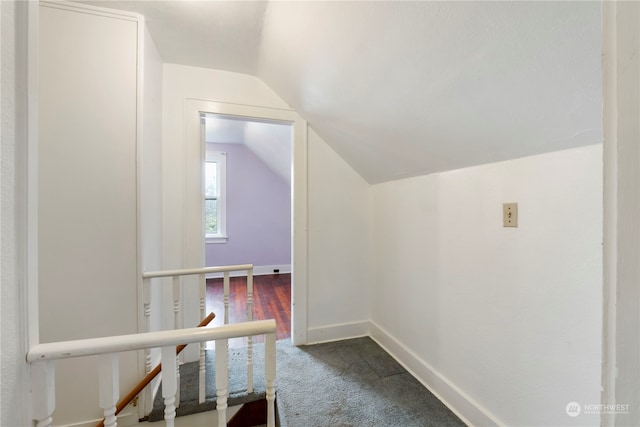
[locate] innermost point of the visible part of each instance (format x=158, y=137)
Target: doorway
x=246, y=165
x=194, y=248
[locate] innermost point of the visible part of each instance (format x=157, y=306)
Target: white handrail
x=43, y=356
x=118, y=343
x=192, y=271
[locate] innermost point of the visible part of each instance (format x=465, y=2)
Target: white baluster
x=250, y=338
x=270, y=377
x=44, y=392
x=222, y=380
x=109, y=375
x=202, y=374
x=177, y=363
x=147, y=403
x=203, y=296
x=250, y=295
x=176, y=302
x=225, y=286
x=169, y=384
x=177, y=324
x=202, y=367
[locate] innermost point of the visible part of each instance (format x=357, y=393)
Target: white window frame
x=220, y=158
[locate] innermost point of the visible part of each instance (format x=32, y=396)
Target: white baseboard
x=343, y=331
x=468, y=410
x=258, y=270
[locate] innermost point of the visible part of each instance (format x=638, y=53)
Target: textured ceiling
x=223, y=35
x=400, y=89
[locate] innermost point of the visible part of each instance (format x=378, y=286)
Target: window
x=215, y=196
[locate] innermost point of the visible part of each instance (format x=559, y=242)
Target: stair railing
x=177, y=283
x=151, y=375
x=43, y=356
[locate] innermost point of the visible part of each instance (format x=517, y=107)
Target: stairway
x=238, y=395
x=253, y=414
x=248, y=415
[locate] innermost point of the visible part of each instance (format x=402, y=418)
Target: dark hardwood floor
x=271, y=300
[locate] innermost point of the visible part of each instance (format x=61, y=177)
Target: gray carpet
x=340, y=384
x=189, y=383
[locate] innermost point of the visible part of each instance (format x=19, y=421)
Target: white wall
x=336, y=292
x=181, y=83
x=14, y=375
x=88, y=195
x=339, y=246
x=151, y=156
x=503, y=323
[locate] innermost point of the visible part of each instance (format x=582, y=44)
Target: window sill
x=217, y=239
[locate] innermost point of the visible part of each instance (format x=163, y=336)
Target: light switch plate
x=510, y=214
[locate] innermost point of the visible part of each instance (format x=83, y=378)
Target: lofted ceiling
x=270, y=142
x=401, y=89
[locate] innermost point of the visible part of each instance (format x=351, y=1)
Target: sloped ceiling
x=270, y=142
x=400, y=89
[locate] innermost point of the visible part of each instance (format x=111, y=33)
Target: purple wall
x=258, y=213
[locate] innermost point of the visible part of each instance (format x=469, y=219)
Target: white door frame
x=621, y=319
x=194, y=247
